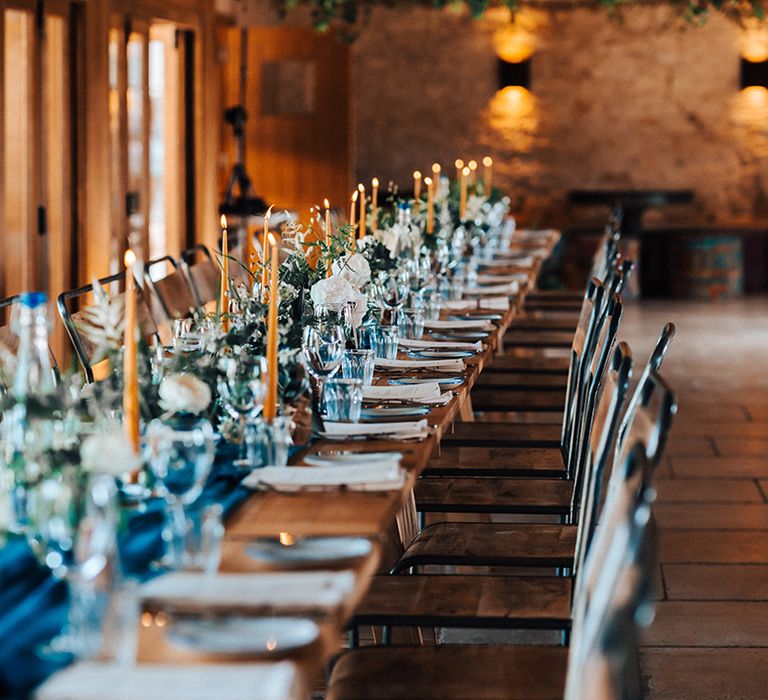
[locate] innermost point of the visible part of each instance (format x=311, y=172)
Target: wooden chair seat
x=553, y=304
x=520, y=338
x=491, y=544
x=503, y=435
x=493, y=495
x=516, y=381
x=450, y=672
x=497, y=461
x=510, y=602
x=505, y=399
x=553, y=323
x=528, y=365
x=568, y=295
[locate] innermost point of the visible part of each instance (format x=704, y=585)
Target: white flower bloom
x=337, y=291
x=389, y=238
x=354, y=268
x=109, y=452
x=184, y=393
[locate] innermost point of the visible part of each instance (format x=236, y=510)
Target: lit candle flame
x=459, y=164
x=472, y=165
x=487, y=161
x=354, y=196
x=326, y=204
x=271, y=644
x=374, y=182
x=416, y=175
x=428, y=181
x=223, y=222
x=268, y=214
x=465, y=171
x=286, y=539
x=271, y=238
x=130, y=258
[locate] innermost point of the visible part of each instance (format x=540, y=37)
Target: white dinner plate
x=339, y=457
x=445, y=381
x=309, y=550
x=393, y=412
x=243, y=636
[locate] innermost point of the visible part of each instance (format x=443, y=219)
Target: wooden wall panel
x=295, y=160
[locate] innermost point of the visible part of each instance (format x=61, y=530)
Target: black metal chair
x=171, y=295
x=605, y=621
x=203, y=273
x=71, y=307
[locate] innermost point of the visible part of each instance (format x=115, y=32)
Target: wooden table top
x=353, y=513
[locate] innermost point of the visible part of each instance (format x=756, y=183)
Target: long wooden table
x=353, y=513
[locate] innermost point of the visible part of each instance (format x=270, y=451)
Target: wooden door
x=298, y=146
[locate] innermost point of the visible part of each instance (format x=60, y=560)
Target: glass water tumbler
x=358, y=364
x=343, y=400
x=411, y=323
x=386, y=340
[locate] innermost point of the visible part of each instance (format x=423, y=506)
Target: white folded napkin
x=295, y=592
x=378, y=476
x=435, y=365
x=480, y=324
x=403, y=430
x=97, y=681
x=494, y=303
x=404, y=392
x=441, y=344
x=490, y=290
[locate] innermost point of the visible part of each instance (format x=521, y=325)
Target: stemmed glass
x=391, y=289
x=180, y=461
x=323, y=344
x=242, y=389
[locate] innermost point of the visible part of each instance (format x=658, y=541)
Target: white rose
x=337, y=291
x=474, y=211
x=389, y=238
x=109, y=452
x=184, y=393
x=354, y=268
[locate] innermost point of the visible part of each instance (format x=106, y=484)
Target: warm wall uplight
x=753, y=73
x=513, y=44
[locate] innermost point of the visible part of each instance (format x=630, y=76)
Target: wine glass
x=180, y=460
x=391, y=289
x=242, y=390
x=323, y=345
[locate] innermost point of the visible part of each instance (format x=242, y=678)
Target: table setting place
x=327, y=345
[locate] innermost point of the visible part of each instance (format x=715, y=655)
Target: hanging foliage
x=346, y=15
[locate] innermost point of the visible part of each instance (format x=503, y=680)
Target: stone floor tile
x=715, y=582
x=708, y=491
x=704, y=674
x=708, y=516
x=707, y=624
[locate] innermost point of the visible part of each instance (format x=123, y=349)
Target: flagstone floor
x=710, y=636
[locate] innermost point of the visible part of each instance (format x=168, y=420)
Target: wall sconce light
x=753, y=73
x=517, y=73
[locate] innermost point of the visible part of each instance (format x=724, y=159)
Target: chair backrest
x=601, y=441
x=581, y=347
x=595, y=363
x=653, y=365
x=612, y=595
x=171, y=294
x=84, y=349
x=203, y=273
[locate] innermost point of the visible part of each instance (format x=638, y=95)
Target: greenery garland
x=348, y=13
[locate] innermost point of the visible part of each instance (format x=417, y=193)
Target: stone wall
x=633, y=103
